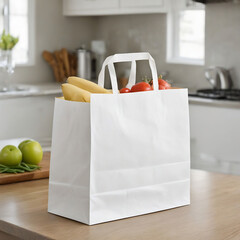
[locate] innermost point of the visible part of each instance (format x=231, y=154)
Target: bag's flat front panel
x=138, y=131
x=143, y=125
x=70, y=160
x=138, y=140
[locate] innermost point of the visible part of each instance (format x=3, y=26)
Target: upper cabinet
x=112, y=7
x=141, y=3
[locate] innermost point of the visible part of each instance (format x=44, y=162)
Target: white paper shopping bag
x=120, y=155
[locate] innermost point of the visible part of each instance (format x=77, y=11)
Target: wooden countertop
x=214, y=213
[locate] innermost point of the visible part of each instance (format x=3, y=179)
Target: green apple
x=20, y=146
x=32, y=152
x=10, y=156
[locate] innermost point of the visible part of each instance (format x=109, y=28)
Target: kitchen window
x=186, y=32
x=18, y=20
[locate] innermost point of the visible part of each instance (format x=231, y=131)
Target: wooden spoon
x=60, y=65
x=48, y=56
x=66, y=61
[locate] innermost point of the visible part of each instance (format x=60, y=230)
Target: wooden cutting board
x=6, y=178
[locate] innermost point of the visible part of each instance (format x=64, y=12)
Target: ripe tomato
x=125, y=90
x=162, y=84
x=141, y=86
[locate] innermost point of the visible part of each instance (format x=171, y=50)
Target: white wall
x=147, y=32
x=131, y=33
x=223, y=37
x=53, y=31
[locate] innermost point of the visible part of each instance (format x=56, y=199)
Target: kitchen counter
x=44, y=89
x=39, y=89
x=214, y=102
x=208, y=101
x=214, y=213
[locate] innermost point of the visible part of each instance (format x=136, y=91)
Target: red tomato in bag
x=125, y=90
x=162, y=84
x=141, y=86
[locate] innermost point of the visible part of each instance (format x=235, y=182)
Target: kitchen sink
x=17, y=89
x=14, y=89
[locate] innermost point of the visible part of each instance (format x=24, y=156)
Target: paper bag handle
x=127, y=57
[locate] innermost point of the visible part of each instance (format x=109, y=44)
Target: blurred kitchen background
x=195, y=45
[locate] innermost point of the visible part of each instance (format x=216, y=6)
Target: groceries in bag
x=79, y=89
x=73, y=93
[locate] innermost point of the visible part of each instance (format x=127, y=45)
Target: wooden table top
x=214, y=213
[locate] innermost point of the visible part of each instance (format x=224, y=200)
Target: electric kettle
x=218, y=77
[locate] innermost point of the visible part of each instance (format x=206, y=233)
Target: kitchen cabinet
x=112, y=7
x=28, y=117
x=29, y=114
x=81, y=6
x=215, y=137
x=141, y=3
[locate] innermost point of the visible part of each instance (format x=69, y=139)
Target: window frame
x=172, y=55
x=31, y=30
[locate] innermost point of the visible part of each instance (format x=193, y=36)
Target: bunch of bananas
x=79, y=90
